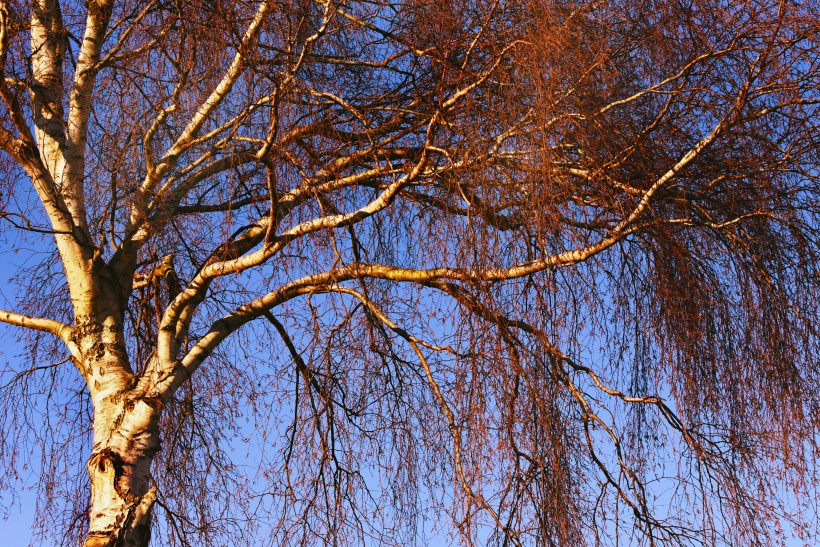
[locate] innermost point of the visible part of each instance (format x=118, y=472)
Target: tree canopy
x=511, y=272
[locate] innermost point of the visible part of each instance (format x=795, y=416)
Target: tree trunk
x=126, y=437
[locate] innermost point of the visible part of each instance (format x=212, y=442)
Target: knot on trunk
x=109, y=465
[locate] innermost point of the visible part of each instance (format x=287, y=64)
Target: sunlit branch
x=63, y=331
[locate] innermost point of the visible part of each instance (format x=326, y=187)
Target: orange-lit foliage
x=526, y=273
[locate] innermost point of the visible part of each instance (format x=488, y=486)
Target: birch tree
x=512, y=272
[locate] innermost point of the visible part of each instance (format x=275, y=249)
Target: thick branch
x=44, y=325
x=99, y=12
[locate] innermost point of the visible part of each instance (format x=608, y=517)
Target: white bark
x=126, y=430
x=126, y=437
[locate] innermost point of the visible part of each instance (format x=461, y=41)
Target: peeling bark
x=118, y=517
x=126, y=437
